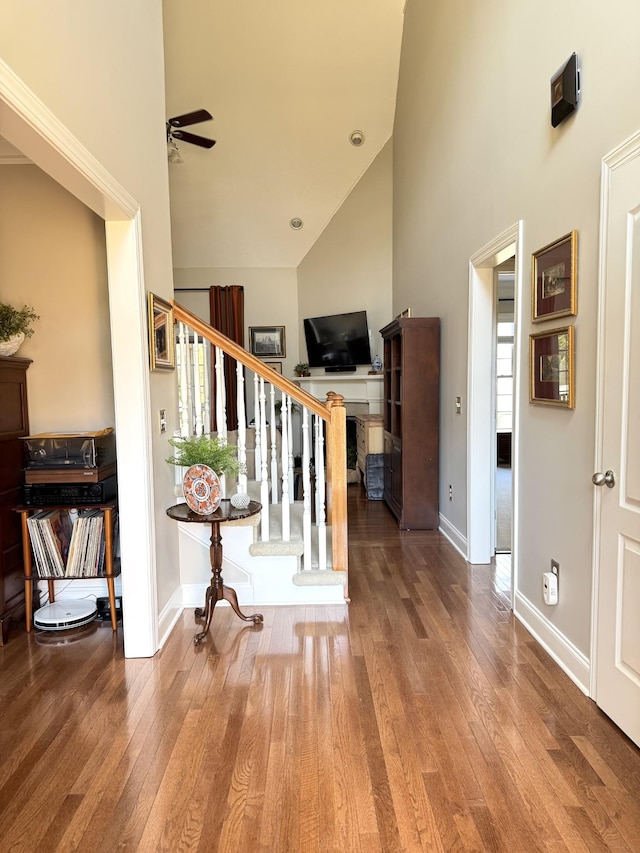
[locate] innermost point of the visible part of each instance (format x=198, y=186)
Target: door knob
x=608, y=479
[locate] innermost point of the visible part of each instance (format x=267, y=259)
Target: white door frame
x=28, y=124
x=629, y=149
x=481, y=405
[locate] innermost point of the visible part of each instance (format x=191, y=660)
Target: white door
x=617, y=549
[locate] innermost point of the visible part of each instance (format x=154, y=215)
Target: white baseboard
x=570, y=659
x=168, y=617
x=457, y=539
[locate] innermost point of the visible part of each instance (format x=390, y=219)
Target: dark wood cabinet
x=14, y=422
x=411, y=420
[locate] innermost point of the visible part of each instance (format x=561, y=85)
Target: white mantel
x=354, y=387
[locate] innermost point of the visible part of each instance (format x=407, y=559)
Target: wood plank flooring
x=422, y=717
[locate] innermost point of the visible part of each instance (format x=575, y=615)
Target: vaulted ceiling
x=287, y=82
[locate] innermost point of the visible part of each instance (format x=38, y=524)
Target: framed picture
x=275, y=365
x=267, y=341
x=161, y=339
x=551, y=367
x=554, y=274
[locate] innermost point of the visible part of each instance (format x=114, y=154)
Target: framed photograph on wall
x=554, y=275
x=267, y=341
x=161, y=339
x=551, y=367
x=275, y=365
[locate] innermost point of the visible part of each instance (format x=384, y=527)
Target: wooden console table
x=217, y=590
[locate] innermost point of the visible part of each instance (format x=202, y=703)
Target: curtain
x=226, y=312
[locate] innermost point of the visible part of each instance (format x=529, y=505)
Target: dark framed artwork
x=275, y=365
x=161, y=337
x=551, y=368
x=554, y=277
x=267, y=341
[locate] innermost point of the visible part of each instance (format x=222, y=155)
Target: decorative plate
x=201, y=488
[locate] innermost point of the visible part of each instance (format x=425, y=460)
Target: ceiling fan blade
x=190, y=118
x=185, y=136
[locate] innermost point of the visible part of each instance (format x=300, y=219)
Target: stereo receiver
x=69, y=494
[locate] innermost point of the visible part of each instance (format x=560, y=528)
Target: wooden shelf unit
x=14, y=422
x=112, y=567
x=411, y=420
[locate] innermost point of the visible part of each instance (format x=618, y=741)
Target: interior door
x=617, y=639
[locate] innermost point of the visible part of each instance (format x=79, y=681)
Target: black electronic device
x=338, y=341
x=565, y=90
x=70, y=494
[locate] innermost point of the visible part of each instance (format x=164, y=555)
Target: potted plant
x=205, y=450
x=15, y=326
x=301, y=369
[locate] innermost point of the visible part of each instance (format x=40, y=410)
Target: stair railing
x=323, y=431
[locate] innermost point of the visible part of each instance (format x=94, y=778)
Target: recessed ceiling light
x=296, y=224
x=357, y=138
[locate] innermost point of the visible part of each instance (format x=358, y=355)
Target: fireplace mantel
x=354, y=387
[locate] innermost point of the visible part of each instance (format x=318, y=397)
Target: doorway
x=481, y=385
x=504, y=331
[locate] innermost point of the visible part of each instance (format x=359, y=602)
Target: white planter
x=12, y=345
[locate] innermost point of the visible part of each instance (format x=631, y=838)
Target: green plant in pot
x=301, y=369
x=207, y=450
x=15, y=326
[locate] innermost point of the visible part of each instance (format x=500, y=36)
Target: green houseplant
x=15, y=326
x=301, y=369
x=206, y=450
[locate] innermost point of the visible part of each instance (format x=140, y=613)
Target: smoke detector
x=357, y=138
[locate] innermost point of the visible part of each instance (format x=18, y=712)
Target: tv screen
x=338, y=340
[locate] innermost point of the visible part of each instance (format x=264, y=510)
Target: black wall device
x=565, y=90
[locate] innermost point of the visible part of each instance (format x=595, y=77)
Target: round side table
x=217, y=589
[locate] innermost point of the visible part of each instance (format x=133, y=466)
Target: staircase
x=295, y=550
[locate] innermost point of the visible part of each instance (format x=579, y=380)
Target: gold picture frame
x=162, y=350
x=552, y=367
x=554, y=279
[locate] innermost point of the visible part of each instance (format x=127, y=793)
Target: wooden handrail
x=240, y=354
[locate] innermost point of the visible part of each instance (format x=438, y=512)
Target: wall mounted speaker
x=565, y=90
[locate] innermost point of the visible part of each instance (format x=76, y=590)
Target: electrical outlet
x=450, y=492
x=163, y=420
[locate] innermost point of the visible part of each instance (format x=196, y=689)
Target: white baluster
x=206, y=385
x=183, y=383
x=264, y=473
x=196, y=395
x=221, y=396
x=285, y=412
x=242, y=429
x=306, y=492
x=273, y=431
x=256, y=421
x=320, y=496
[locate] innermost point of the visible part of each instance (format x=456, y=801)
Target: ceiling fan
x=175, y=124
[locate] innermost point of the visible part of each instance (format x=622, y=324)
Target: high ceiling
x=287, y=82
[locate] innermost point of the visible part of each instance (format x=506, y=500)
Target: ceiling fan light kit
x=174, y=132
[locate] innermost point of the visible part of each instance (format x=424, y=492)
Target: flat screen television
x=338, y=341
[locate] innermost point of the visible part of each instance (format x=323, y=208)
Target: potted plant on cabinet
x=15, y=326
x=301, y=369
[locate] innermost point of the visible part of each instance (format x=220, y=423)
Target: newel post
x=337, y=480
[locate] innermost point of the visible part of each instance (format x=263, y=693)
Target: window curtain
x=226, y=313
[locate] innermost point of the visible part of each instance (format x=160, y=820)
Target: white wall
x=53, y=257
x=474, y=151
x=270, y=299
x=349, y=267
x=99, y=69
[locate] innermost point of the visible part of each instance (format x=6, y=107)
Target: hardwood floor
x=420, y=717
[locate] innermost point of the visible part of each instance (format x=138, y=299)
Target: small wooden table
x=217, y=590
